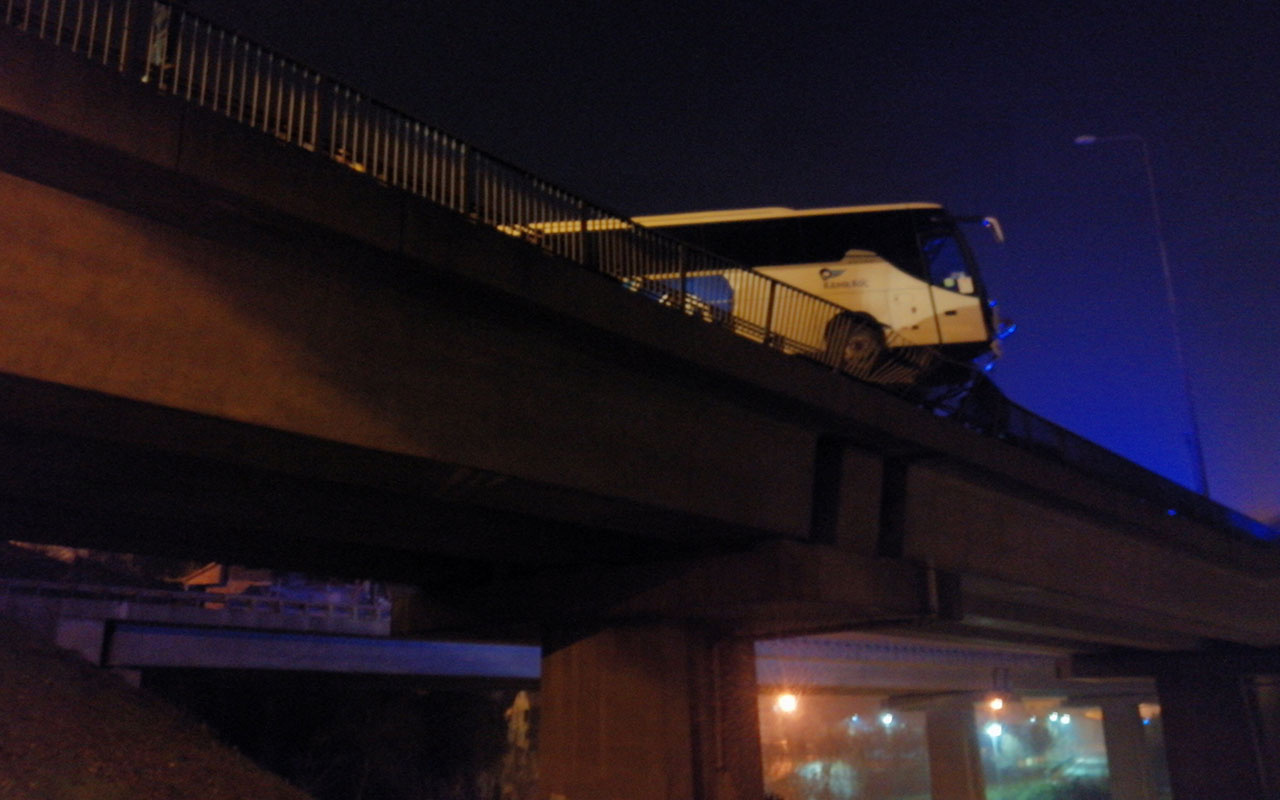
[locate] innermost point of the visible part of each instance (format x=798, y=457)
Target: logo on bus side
x=829, y=280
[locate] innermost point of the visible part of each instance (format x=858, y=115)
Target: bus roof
x=770, y=212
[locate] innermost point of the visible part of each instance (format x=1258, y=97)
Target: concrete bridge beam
x=1212, y=735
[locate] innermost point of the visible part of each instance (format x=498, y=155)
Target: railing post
x=682, y=255
x=323, y=120
x=155, y=55
x=465, y=192
x=587, y=248
x=127, y=35
x=768, y=312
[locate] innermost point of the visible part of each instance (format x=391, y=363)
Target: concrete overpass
x=132, y=628
x=289, y=327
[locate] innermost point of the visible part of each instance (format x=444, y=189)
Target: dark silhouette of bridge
x=253, y=315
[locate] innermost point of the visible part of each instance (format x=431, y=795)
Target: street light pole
x=1197, y=454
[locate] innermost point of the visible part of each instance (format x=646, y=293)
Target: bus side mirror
x=996, y=230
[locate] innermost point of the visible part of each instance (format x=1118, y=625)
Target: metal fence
x=183, y=55
x=126, y=597
x=98, y=29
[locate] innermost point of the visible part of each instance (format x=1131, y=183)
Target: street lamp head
x=1091, y=138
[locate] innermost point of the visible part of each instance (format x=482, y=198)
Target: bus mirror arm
x=997, y=232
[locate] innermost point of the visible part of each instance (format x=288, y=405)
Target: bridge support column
x=645, y=712
x=1211, y=733
x=955, y=762
x=1266, y=693
x=1128, y=757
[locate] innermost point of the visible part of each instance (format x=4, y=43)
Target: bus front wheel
x=855, y=342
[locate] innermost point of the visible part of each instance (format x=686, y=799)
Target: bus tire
x=855, y=342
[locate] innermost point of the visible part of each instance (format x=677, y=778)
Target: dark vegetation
x=70, y=731
x=345, y=737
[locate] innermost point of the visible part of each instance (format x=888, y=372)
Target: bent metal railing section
x=183, y=55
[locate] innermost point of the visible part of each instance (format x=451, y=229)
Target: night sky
x=646, y=107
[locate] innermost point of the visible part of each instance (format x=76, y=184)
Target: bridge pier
x=1128, y=757
x=955, y=762
x=1220, y=713
x=650, y=711
x=1211, y=732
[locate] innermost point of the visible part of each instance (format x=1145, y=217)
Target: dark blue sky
x=649, y=107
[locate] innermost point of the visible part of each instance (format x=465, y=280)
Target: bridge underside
x=93, y=470
x=88, y=469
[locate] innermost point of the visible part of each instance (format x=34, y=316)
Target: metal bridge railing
x=97, y=29
x=124, y=597
x=183, y=55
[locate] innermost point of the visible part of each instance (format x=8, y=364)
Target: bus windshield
x=946, y=263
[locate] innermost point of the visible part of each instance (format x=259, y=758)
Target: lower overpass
x=895, y=688
x=133, y=628
x=223, y=346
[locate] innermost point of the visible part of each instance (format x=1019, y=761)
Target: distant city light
x=996, y=703
x=995, y=730
x=886, y=719
x=787, y=703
